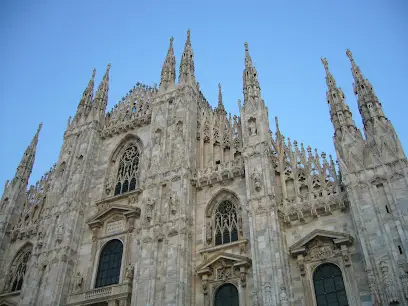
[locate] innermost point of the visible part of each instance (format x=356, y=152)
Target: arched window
x=128, y=172
x=226, y=223
x=329, y=286
x=110, y=261
x=226, y=295
x=18, y=269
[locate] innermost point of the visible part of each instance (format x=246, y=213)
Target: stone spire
x=168, y=73
x=187, y=64
x=220, y=107
x=252, y=90
x=27, y=161
x=101, y=97
x=340, y=113
x=85, y=104
x=369, y=106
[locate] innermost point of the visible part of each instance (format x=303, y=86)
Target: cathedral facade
x=164, y=200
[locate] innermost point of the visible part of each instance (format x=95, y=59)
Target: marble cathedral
x=164, y=200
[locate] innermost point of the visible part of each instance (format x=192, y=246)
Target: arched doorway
x=329, y=286
x=226, y=295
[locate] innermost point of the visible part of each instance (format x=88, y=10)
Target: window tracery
x=226, y=223
x=128, y=170
x=18, y=269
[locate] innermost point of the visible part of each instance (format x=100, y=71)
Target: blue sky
x=49, y=49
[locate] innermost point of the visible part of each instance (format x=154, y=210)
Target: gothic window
x=128, y=171
x=226, y=223
x=110, y=261
x=226, y=295
x=18, y=269
x=329, y=286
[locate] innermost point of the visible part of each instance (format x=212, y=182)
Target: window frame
x=103, y=243
x=226, y=284
x=14, y=266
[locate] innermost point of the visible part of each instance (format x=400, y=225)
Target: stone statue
x=60, y=232
x=283, y=296
x=173, y=204
x=390, y=288
x=252, y=127
x=78, y=281
x=208, y=231
x=129, y=272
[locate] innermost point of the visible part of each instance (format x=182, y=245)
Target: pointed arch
x=222, y=194
x=18, y=268
x=124, y=167
x=224, y=220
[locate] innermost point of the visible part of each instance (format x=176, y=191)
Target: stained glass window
x=109, y=264
x=226, y=295
x=226, y=219
x=18, y=269
x=329, y=286
x=128, y=172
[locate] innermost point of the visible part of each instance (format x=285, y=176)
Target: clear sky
x=49, y=48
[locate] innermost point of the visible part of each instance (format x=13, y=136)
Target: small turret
x=187, y=64
x=168, y=73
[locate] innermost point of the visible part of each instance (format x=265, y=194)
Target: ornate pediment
x=222, y=260
x=302, y=246
x=101, y=217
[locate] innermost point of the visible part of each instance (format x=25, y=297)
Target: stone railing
x=218, y=173
x=101, y=294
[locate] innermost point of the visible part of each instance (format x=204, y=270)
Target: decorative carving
x=345, y=254
x=242, y=277
x=283, y=296
x=404, y=279
x=205, y=288
x=301, y=264
x=78, y=281
x=60, y=232
x=149, y=205
x=321, y=253
x=256, y=179
x=252, y=127
x=390, y=288
x=255, y=301
x=129, y=272
x=268, y=294
x=208, y=231
x=173, y=203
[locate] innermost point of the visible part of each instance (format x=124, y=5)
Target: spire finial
x=168, y=73
x=350, y=55
x=27, y=161
x=248, y=59
x=219, y=94
x=325, y=64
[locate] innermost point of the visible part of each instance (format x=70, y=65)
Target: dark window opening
x=400, y=249
x=118, y=188
x=329, y=286
x=387, y=209
x=226, y=295
x=110, y=261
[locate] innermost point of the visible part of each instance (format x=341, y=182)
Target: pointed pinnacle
x=325, y=64
x=350, y=56
x=219, y=96
x=248, y=59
